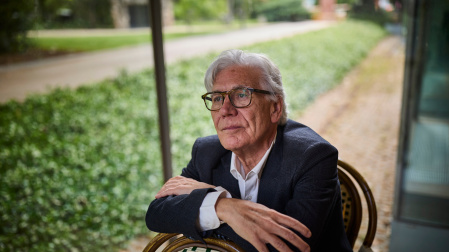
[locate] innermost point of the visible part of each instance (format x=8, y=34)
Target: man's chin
x=230, y=144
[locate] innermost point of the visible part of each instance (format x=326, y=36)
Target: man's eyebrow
x=238, y=86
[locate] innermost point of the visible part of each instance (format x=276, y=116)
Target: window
x=425, y=176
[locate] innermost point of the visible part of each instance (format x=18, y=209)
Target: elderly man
x=264, y=181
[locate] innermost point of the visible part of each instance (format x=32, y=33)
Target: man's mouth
x=231, y=127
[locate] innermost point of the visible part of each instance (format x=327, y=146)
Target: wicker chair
x=352, y=216
x=176, y=242
x=352, y=205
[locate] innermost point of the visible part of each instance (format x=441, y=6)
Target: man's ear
x=276, y=110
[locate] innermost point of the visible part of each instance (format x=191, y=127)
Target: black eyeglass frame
x=223, y=94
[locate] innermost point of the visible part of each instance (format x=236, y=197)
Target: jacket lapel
x=271, y=178
x=223, y=177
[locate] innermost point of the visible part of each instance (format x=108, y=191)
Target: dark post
x=159, y=69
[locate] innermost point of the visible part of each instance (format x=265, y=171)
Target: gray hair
x=271, y=78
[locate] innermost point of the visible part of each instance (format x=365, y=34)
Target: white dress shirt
x=248, y=185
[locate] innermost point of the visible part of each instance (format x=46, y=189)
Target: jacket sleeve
x=316, y=199
x=179, y=214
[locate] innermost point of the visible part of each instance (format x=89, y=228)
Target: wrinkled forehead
x=237, y=76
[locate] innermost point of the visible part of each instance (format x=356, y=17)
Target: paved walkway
x=19, y=80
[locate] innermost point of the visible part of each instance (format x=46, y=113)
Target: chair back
x=352, y=204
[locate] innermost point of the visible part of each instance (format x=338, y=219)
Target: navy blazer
x=299, y=179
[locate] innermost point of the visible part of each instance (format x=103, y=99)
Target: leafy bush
x=282, y=10
x=194, y=10
x=379, y=17
x=76, y=168
x=74, y=14
x=79, y=167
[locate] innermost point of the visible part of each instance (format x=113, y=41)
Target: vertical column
x=159, y=69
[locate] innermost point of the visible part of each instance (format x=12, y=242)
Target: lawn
x=92, y=42
x=79, y=167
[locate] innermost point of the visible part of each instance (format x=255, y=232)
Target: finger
x=161, y=194
x=161, y=191
x=290, y=222
x=170, y=190
x=280, y=225
x=180, y=185
x=277, y=231
x=278, y=244
x=260, y=245
x=167, y=189
x=169, y=184
x=293, y=238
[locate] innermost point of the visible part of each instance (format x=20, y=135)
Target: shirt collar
x=237, y=167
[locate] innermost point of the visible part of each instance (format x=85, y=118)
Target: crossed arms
x=253, y=222
x=299, y=213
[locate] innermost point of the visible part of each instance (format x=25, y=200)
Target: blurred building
x=327, y=9
x=135, y=13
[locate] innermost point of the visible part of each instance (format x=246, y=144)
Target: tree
x=366, y=6
x=350, y=2
x=192, y=10
x=283, y=10
x=16, y=18
x=83, y=13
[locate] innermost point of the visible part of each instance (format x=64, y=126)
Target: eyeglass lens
x=240, y=97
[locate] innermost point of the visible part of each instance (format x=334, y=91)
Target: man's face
x=249, y=128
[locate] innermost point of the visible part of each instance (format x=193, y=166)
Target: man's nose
x=227, y=107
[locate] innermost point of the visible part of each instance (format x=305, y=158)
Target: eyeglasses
x=239, y=97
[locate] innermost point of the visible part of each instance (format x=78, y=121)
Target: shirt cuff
x=208, y=219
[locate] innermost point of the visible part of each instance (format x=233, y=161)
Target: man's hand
x=180, y=185
x=260, y=225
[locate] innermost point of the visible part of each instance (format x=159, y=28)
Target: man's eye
x=217, y=99
x=241, y=96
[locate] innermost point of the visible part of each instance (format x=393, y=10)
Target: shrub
x=79, y=167
x=194, y=10
x=74, y=14
x=283, y=10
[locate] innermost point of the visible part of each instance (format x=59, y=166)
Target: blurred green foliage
x=379, y=17
x=78, y=168
x=366, y=10
x=192, y=10
x=73, y=14
x=282, y=10
x=16, y=18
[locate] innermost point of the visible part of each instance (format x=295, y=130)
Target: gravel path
x=361, y=118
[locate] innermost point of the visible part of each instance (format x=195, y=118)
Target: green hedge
x=79, y=167
x=282, y=10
